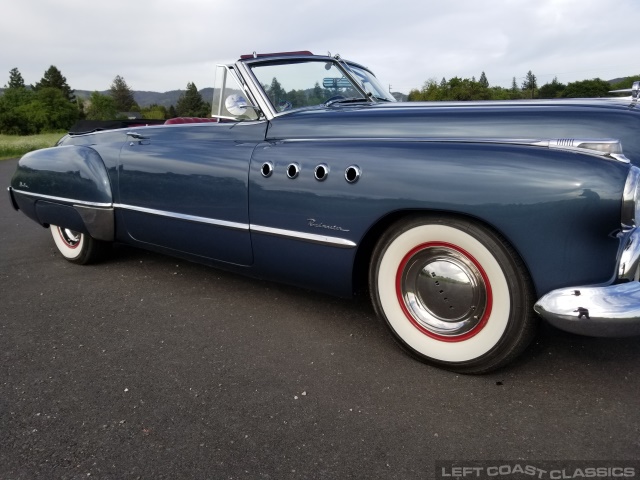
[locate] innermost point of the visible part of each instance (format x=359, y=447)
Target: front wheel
x=453, y=293
x=78, y=247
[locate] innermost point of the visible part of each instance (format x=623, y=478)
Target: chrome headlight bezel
x=630, y=215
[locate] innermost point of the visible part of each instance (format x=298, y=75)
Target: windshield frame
x=380, y=93
x=244, y=67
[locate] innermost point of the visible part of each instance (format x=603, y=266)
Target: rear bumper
x=600, y=311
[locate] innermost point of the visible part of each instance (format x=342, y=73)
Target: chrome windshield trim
x=182, y=216
x=64, y=199
x=309, y=237
x=251, y=82
x=351, y=76
x=243, y=68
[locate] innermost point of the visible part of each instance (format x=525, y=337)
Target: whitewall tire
x=77, y=247
x=452, y=292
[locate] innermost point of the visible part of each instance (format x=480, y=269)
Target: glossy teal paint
x=532, y=196
x=559, y=210
x=75, y=172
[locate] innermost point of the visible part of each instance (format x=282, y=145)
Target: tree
x=587, y=89
x=530, y=84
x=514, y=92
x=15, y=79
x=191, y=104
x=154, y=112
x=122, y=95
x=53, y=78
x=101, y=107
x=552, y=90
x=483, y=81
x=13, y=121
x=275, y=92
x=48, y=110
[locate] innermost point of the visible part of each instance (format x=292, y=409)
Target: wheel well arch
x=364, y=253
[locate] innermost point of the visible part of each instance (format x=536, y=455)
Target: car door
x=184, y=188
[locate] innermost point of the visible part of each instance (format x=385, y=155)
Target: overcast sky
x=161, y=45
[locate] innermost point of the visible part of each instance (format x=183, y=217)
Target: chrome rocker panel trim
x=303, y=236
x=598, y=311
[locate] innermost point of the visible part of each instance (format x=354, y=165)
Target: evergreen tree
x=13, y=119
x=514, y=92
x=530, y=84
x=172, y=112
x=122, y=95
x=275, y=92
x=15, y=79
x=191, y=104
x=53, y=78
x=484, y=83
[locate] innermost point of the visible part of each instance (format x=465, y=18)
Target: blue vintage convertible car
x=465, y=221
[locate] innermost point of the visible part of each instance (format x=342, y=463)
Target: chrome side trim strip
x=584, y=146
x=309, y=237
x=181, y=216
x=63, y=199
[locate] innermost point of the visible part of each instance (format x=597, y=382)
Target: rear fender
x=66, y=186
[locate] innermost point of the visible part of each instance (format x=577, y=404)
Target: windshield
x=305, y=83
x=371, y=83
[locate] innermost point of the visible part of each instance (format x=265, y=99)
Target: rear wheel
x=453, y=293
x=78, y=247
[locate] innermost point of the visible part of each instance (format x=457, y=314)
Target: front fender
x=559, y=210
x=66, y=186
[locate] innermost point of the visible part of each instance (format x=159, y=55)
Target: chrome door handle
x=136, y=135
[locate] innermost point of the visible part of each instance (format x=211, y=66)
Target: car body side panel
x=531, y=195
x=185, y=188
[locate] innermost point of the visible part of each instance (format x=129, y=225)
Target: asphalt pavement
x=145, y=366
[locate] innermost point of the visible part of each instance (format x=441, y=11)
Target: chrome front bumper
x=600, y=311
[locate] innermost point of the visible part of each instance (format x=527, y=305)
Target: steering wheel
x=334, y=98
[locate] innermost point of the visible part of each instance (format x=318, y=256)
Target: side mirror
x=236, y=104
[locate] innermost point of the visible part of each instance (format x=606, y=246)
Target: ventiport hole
x=352, y=173
x=266, y=169
x=321, y=172
x=293, y=170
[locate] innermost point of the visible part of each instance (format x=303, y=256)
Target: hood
x=611, y=118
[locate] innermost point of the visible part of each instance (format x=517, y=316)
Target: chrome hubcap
x=71, y=238
x=443, y=290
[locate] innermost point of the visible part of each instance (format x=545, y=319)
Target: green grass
x=13, y=146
